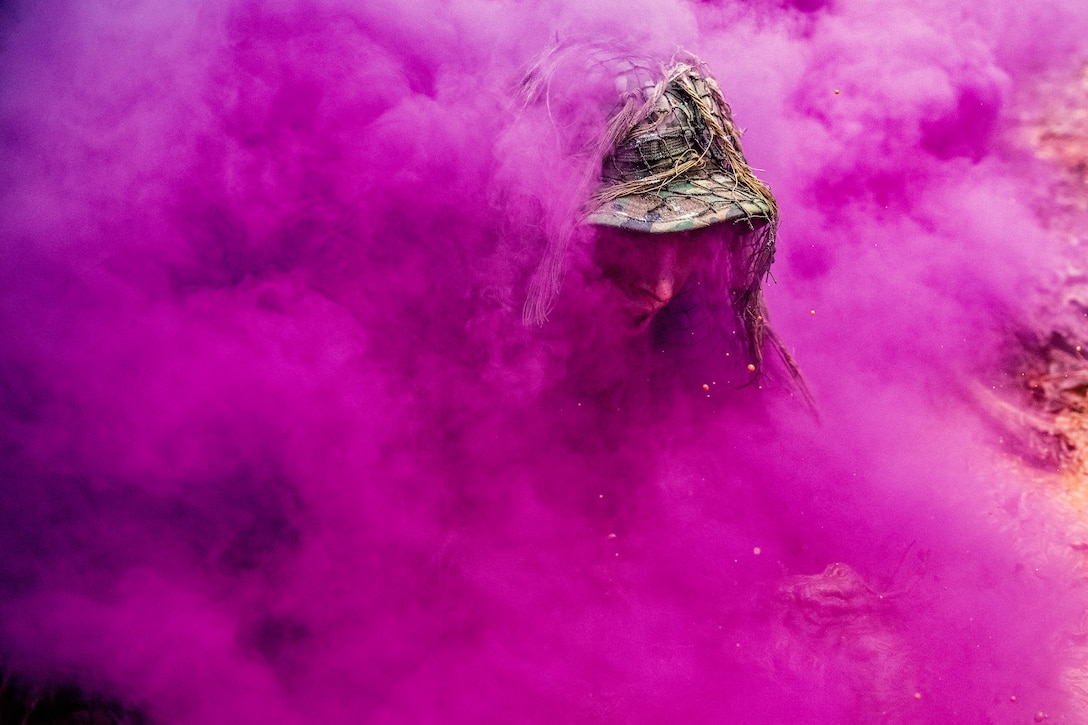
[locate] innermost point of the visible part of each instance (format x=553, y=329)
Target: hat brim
x=692, y=201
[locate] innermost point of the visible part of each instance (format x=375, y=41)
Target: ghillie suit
x=659, y=154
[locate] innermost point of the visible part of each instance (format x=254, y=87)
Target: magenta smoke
x=277, y=448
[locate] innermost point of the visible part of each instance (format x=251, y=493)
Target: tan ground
x=1048, y=408
x=1045, y=406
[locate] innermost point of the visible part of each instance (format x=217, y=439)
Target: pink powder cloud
x=276, y=447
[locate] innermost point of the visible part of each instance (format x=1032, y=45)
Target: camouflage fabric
x=680, y=165
x=687, y=203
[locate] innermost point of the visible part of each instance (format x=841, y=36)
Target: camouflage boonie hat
x=677, y=163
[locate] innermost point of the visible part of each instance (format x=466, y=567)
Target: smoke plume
x=276, y=447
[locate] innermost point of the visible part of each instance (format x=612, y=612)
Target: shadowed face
x=648, y=270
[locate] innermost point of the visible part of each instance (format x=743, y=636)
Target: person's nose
x=661, y=281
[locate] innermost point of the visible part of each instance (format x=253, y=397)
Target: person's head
x=666, y=195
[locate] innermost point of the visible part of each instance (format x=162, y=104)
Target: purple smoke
x=277, y=448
